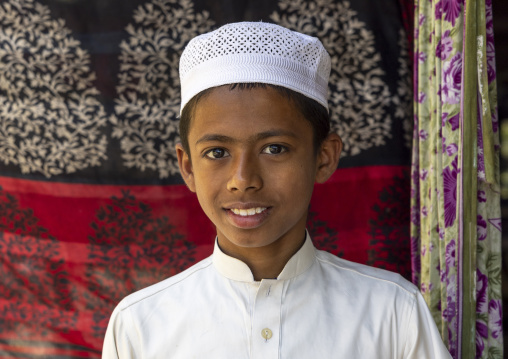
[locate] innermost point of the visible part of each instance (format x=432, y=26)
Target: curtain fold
x=455, y=198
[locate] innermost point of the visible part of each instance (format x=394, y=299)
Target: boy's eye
x=216, y=153
x=274, y=149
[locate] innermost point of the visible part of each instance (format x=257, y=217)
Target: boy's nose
x=245, y=175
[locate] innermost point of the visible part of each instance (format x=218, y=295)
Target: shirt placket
x=266, y=320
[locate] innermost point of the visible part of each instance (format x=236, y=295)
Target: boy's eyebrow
x=273, y=133
x=214, y=138
x=259, y=136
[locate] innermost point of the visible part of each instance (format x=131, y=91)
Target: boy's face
x=253, y=166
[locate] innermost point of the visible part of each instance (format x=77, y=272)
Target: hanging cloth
x=455, y=204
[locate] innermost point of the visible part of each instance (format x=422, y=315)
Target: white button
x=266, y=333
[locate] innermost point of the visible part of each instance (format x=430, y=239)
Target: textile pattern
x=455, y=203
x=92, y=206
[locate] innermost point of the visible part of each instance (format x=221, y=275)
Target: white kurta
x=320, y=306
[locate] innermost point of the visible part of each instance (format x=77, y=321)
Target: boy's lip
x=247, y=221
x=245, y=205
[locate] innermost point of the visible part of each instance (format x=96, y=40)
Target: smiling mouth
x=248, y=211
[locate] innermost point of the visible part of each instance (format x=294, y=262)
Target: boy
x=255, y=138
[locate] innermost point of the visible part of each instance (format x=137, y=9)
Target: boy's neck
x=264, y=262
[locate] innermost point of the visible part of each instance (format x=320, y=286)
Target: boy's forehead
x=257, y=111
x=269, y=54
x=239, y=101
x=236, y=94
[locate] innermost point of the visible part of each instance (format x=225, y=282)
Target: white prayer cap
x=255, y=52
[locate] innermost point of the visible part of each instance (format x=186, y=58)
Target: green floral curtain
x=455, y=209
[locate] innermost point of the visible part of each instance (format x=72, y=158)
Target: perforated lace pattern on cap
x=255, y=52
x=252, y=38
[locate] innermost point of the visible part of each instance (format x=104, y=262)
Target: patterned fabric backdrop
x=456, y=216
x=92, y=206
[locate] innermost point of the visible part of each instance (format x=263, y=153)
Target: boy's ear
x=185, y=164
x=328, y=157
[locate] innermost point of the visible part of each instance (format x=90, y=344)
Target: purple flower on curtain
x=450, y=256
x=450, y=312
x=482, y=196
x=454, y=121
x=491, y=61
x=450, y=192
x=423, y=135
x=439, y=10
x=451, y=9
x=415, y=216
x=496, y=318
x=444, y=115
x=424, y=211
x=482, y=331
x=424, y=250
x=451, y=316
x=495, y=125
x=481, y=292
x=452, y=343
x=451, y=149
x=422, y=96
x=423, y=174
x=481, y=228
x=421, y=19
x=444, y=46
x=422, y=56
x=452, y=80
x=442, y=275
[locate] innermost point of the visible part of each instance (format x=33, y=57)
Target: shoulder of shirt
x=367, y=272
x=159, y=287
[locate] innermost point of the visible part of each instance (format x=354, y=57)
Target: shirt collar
x=235, y=269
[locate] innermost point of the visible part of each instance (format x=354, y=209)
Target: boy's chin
x=245, y=240
x=256, y=238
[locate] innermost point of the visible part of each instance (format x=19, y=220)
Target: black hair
x=311, y=110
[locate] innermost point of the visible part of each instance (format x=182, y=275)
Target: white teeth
x=248, y=212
